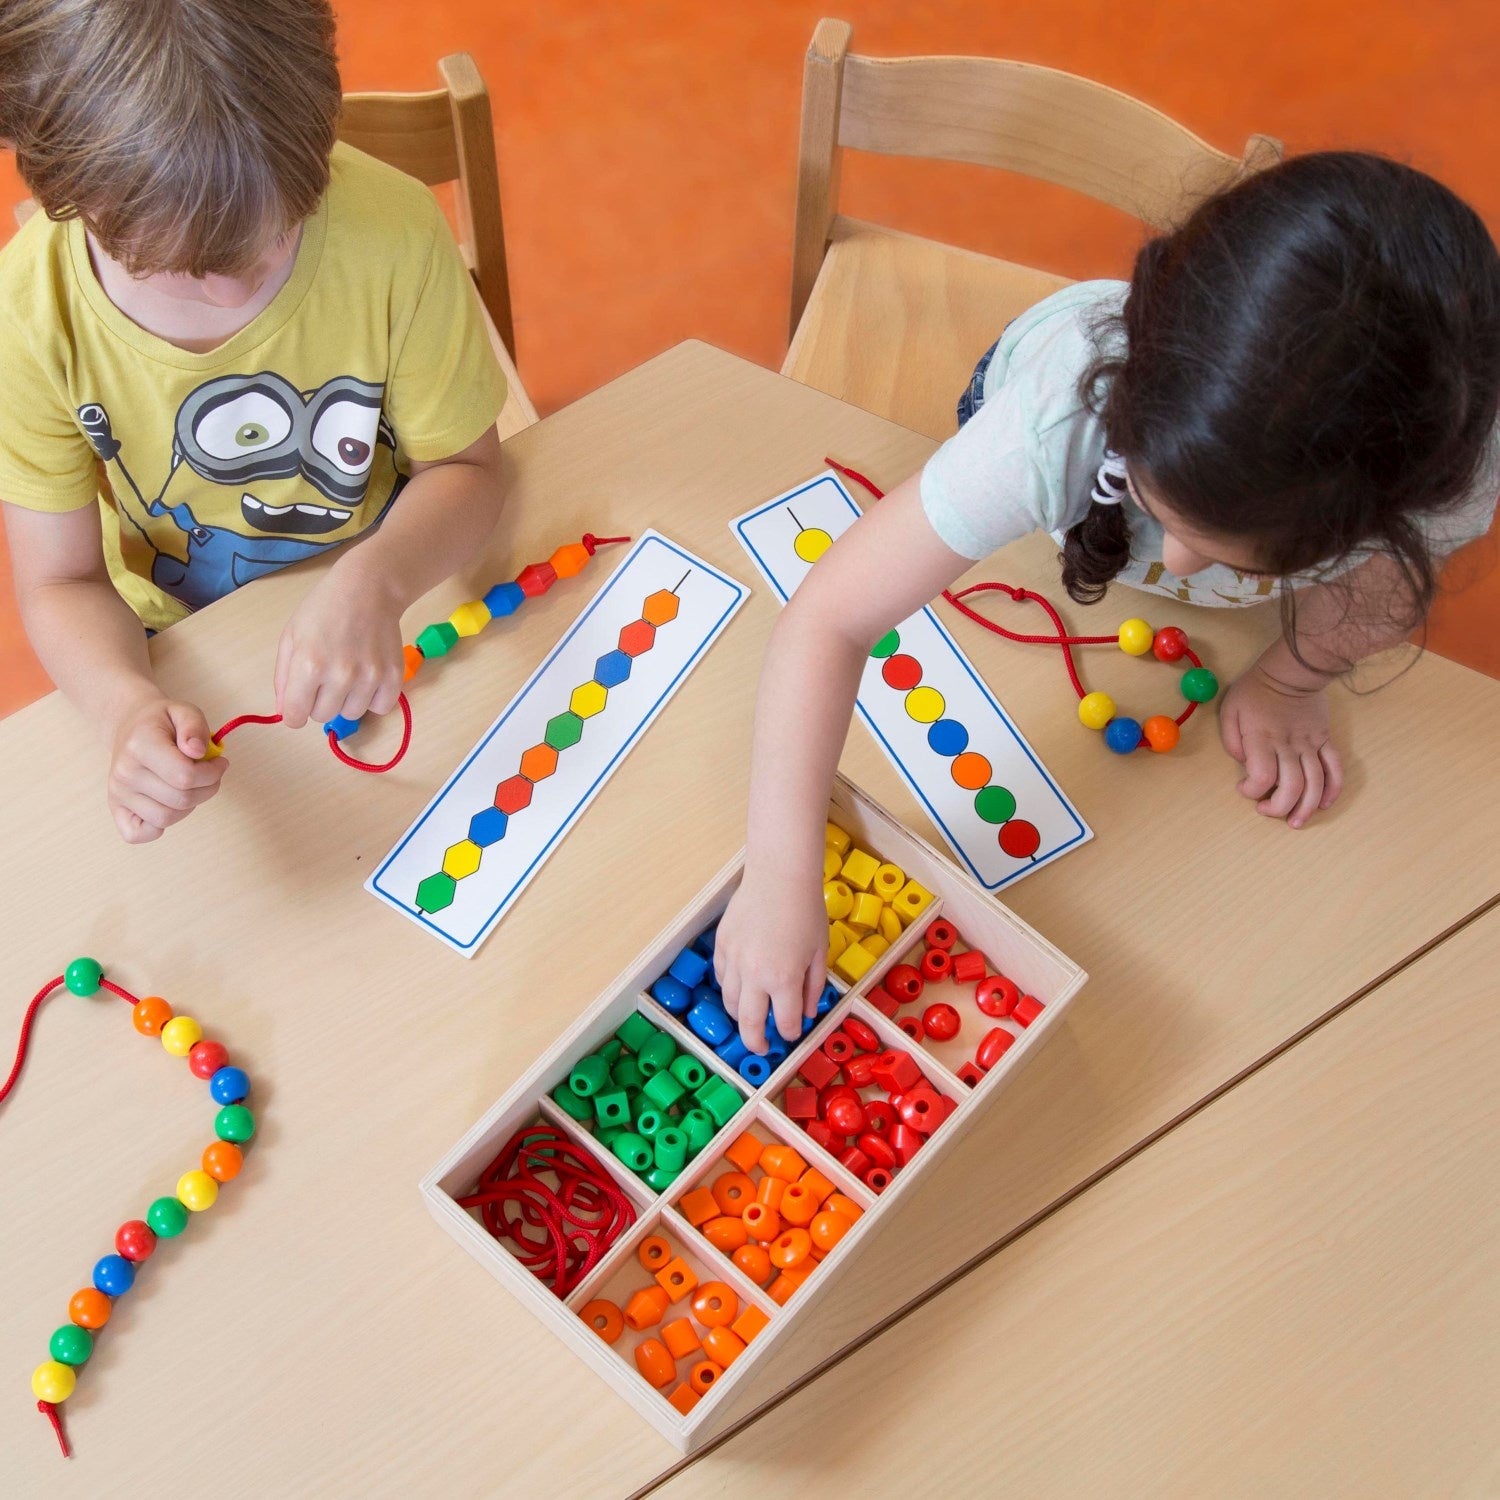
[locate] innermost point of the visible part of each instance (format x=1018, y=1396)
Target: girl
x=1295, y=395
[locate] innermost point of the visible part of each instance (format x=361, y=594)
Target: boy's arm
x=94, y=649
x=341, y=650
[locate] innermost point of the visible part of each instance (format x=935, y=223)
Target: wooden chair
x=894, y=323
x=445, y=135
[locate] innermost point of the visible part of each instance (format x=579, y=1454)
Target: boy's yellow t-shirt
x=296, y=434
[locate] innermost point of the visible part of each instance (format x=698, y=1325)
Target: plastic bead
x=721, y=1101
x=677, y=1278
x=878, y=1179
x=754, y=1070
x=82, y=976
x=880, y=1115
x=655, y=1363
x=1135, y=637
x=702, y=1376
x=653, y=1252
x=715, y=1304
x=861, y=1033
x=969, y=968
x=589, y=1075
x=831, y=864
x=726, y=1233
x=1095, y=710
x=196, y=1190
x=635, y=1031
x=905, y=1142
x=840, y=935
x=798, y=1205
x=698, y=1206
x=818, y=1069
x=905, y=983
x=536, y=578
x=655, y=1054
x=227, y=1085
x=936, y=965
x=847, y=1116
x=1199, y=685
x=222, y=1160
x=971, y=1074
x=762, y=1221
x=836, y=839
x=1161, y=733
x=734, y=1192
x=750, y=1323
x=941, y=934
x=135, y=1240
x=782, y=1162
x=858, y=869
x=180, y=1035
x=411, y=662
x=897, y=1071
x=722, y=1346
x=864, y=913
x=791, y=1248
x=698, y=1126
x=150, y=1015
x=167, y=1217
x=888, y=881
x=646, y=1308
x=90, y=1308
x=206, y=1059
x=341, y=728
x=838, y=900
x=436, y=640
x=70, y=1344
x=611, y=1110
x=684, y=1398
x=663, y=1090
x=941, y=1022
x=605, y=1318
x=878, y=1149
x=690, y=967
x=672, y=994
x=800, y=1103
x=996, y=995
x=681, y=1338
x=711, y=1022
x=1122, y=735
x=911, y=901
x=1169, y=644
x=783, y=1289
x=993, y=1047
x=754, y=1262
x=854, y=1161
x=113, y=1275
x=1028, y=1008
x=828, y=1228
x=670, y=1148
x=855, y=962
x=52, y=1380
x=573, y=1105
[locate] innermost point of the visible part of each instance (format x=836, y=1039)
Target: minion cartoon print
x=312, y=470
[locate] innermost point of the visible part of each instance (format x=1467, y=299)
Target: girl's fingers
x=729, y=984
x=147, y=809
x=1333, y=774
x=1312, y=790
x=168, y=796
x=787, y=1008
x=130, y=827
x=1288, y=786
x=385, y=697
x=1230, y=736
x=357, y=701
x=755, y=1006
x=812, y=988
x=328, y=703
x=1260, y=771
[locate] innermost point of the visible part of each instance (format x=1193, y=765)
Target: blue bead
x=504, y=599
x=1122, y=735
x=707, y=994
x=672, y=993
x=776, y=1045
x=733, y=1051
x=948, y=737
x=706, y=939
x=229, y=1086
x=808, y=1022
x=711, y=1022
x=114, y=1275
x=341, y=727
x=828, y=999
x=754, y=1070
x=689, y=967
x=612, y=669
x=488, y=827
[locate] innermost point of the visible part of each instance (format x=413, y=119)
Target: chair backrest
x=1017, y=116
x=446, y=135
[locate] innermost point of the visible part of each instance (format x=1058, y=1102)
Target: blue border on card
x=954, y=843
x=740, y=593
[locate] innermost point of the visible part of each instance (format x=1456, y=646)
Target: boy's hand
x=1280, y=735
x=156, y=772
x=340, y=652
x=771, y=955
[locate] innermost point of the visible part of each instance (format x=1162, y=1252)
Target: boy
x=228, y=345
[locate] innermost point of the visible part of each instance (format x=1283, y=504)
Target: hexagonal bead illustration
x=636, y=637
x=661, y=608
x=588, y=700
x=563, y=731
x=539, y=762
x=512, y=795
x=612, y=669
x=461, y=859
x=488, y=827
x=436, y=892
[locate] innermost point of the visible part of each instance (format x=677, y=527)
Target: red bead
x=968, y=968
x=971, y=1074
x=801, y=1103
x=992, y=1047
x=1019, y=839
x=937, y=963
x=206, y=1058
x=921, y=1110
x=878, y=1179
x=135, y=1240
x=996, y=996
x=949, y=1105
x=818, y=1070
x=838, y=1091
x=904, y=982
x=825, y=1136
x=1028, y=1008
x=879, y=1115
x=885, y=1003
x=941, y=1022
x=838, y=1048
x=856, y=1161
x=859, y=1072
x=847, y=1116
x=1169, y=644
x=913, y=1027
x=941, y=934
x=878, y=1149
x=536, y=578
x=897, y=1071
x=862, y=1034
x=905, y=1142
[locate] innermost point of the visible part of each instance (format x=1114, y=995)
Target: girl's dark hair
x=1310, y=363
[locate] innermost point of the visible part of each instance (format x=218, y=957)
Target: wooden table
x=315, y=1333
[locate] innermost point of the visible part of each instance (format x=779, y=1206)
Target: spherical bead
x=941, y=1022
x=150, y=1015
x=167, y=1217
x=223, y=1160
x=89, y=1308
x=135, y=1240
x=82, y=976
x=1161, y=732
x=113, y=1275
x=234, y=1123
x=53, y=1381
x=1135, y=637
x=1199, y=685
x=1122, y=735
x=196, y=1190
x=1169, y=644
x=206, y=1059
x=71, y=1345
x=229, y=1086
x=180, y=1035
x=1095, y=710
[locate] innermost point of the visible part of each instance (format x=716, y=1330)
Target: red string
x=218, y=736
x=394, y=761
x=49, y=1411
x=591, y=542
x=26, y=1025
x=1022, y=596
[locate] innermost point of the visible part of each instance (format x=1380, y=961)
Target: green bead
x=626, y=1075
x=635, y=1031
x=659, y=1179
x=669, y=1149
x=167, y=1217
x=995, y=804
x=607, y=1136
x=612, y=1108
x=656, y=1054
x=82, y=976
x=71, y=1345
x=887, y=645
x=648, y=1122
x=589, y=1075
x=688, y=1071
x=721, y=1101
x=573, y=1105
x=234, y=1123
x=632, y=1150
x=611, y=1050
x=1199, y=685
x=436, y=892
x=699, y=1127
x=563, y=732
x=437, y=640
x=663, y=1090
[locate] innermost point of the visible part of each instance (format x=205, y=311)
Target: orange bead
x=647, y=1307
x=780, y=1291
x=798, y=1204
x=828, y=1228
x=677, y=1278
x=782, y=1162
x=150, y=1015
x=570, y=560
x=733, y=1192
x=726, y=1233
x=684, y=1398
x=680, y=1337
x=411, y=662
x=722, y=1346
x=1161, y=733
x=816, y=1183
x=653, y=1361
x=89, y=1308
x=791, y=1249
x=699, y=1206
x=754, y=1262
x=703, y=1376
x=222, y=1160
x=715, y=1305
x=769, y=1191
x=745, y=1152
x=839, y=1204
x=763, y=1222
x=653, y=1253
x=604, y=1318
x=749, y=1323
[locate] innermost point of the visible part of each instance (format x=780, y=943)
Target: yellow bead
x=838, y=900
x=53, y=1381
x=180, y=1035
x=859, y=869
x=873, y=944
x=854, y=962
x=831, y=863
x=840, y=936
x=214, y=751
x=570, y=560
x=470, y=618
x=1096, y=710
x=1136, y=637
x=890, y=925
x=196, y=1190
x=837, y=839
x=911, y=901
x=888, y=880
x=865, y=915
x=462, y=859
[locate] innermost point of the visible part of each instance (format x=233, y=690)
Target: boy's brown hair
x=184, y=133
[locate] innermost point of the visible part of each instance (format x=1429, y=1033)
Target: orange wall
x=647, y=151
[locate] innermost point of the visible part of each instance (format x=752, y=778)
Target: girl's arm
x=94, y=649
x=341, y=650
x=772, y=945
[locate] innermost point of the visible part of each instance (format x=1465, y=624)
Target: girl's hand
x=1280, y=735
x=771, y=954
x=156, y=772
x=341, y=651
